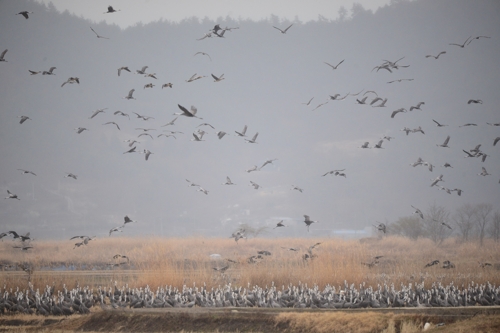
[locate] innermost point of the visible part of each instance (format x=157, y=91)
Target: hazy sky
x=145, y=11
x=269, y=78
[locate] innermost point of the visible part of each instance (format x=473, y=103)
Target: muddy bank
x=478, y=319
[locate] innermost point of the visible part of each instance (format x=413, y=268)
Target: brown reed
x=177, y=262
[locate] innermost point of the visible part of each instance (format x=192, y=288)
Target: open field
x=156, y=263
x=177, y=262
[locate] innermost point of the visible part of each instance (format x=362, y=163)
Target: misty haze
x=306, y=92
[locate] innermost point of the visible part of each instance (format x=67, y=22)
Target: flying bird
x=297, y=188
x=127, y=219
x=283, y=31
x=25, y=14
x=474, y=101
x=220, y=134
x=254, y=168
x=400, y=80
x=167, y=85
x=362, y=101
x=112, y=122
x=255, y=185
x=120, y=113
x=191, y=183
x=461, y=45
x=437, y=180
x=11, y=195
x=484, y=172
x=417, y=107
x=253, y=139
x=365, y=145
x=435, y=57
x=478, y=37
x=207, y=35
x=438, y=124
x=333, y=172
x=187, y=113
x=23, y=119
x=446, y=225
x=70, y=175
x=197, y=138
x=27, y=171
x=418, y=211
x=195, y=77
x=49, y=72
x=116, y=229
x=151, y=75
x=268, y=162
x=319, y=105
x=111, y=10
x=309, y=101
x=308, y=221
x=395, y=112
x=381, y=227
x=71, y=80
x=218, y=79
x=335, y=67
x=418, y=129
x=146, y=153
x=79, y=130
x=337, y=97
x=496, y=141
x=228, y=181
x=279, y=224
x=98, y=36
x=142, y=117
x=142, y=70
x=2, y=56
x=242, y=133
x=203, y=53
x=34, y=72
x=96, y=112
x=445, y=143
x=201, y=189
x=129, y=96
x=379, y=145
x=123, y=68
x=381, y=105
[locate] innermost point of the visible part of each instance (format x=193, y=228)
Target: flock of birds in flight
x=217, y=31
x=79, y=301
x=132, y=143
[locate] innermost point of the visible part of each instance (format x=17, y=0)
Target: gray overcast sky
x=145, y=11
x=269, y=78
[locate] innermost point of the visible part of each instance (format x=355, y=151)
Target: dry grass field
x=169, y=261
x=177, y=262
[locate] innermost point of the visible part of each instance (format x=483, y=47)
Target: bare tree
x=436, y=223
x=408, y=226
x=482, y=218
x=464, y=220
x=495, y=226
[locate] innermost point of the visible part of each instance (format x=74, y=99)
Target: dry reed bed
x=161, y=261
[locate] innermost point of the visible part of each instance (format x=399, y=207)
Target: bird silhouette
x=111, y=10
x=283, y=31
x=308, y=221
